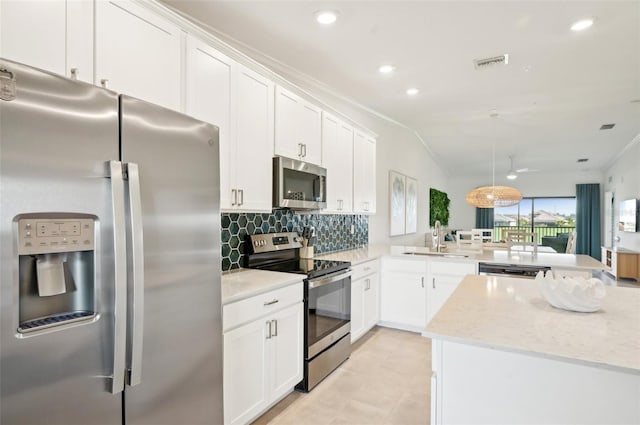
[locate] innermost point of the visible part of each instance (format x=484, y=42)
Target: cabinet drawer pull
x=270, y=302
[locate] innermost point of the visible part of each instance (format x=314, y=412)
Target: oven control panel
x=275, y=241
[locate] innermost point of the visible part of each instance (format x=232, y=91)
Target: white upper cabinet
x=254, y=141
x=298, y=127
x=364, y=173
x=240, y=102
x=337, y=158
x=209, y=96
x=54, y=35
x=138, y=53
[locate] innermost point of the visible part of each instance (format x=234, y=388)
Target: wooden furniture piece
x=624, y=263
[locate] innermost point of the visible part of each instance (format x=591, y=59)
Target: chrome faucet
x=436, y=236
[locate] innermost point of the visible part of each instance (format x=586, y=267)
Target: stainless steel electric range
x=327, y=300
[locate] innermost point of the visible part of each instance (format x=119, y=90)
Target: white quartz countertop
x=244, y=283
x=510, y=314
x=372, y=252
x=359, y=255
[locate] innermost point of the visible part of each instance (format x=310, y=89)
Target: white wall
x=623, y=178
x=531, y=185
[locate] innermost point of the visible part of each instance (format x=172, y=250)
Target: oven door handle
x=325, y=280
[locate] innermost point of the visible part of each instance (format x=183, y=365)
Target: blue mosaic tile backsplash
x=332, y=231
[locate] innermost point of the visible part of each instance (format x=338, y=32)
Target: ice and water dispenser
x=56, y=256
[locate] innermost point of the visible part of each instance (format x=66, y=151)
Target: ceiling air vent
x=606, y=126
x=583, y=159
x=487, y=62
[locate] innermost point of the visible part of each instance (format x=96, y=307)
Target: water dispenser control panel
x=41, y=236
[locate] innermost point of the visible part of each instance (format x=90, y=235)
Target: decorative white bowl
x=571, y=293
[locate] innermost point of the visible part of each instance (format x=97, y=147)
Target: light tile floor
x=385, y=381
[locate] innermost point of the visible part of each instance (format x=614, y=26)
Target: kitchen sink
x=438, y=254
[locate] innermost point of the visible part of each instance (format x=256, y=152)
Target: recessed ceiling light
x=582, y=25
x=413, y=91
x=326, y=17
x=386, y=69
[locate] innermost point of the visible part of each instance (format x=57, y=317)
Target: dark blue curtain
x=588, y=219
x=484, y=218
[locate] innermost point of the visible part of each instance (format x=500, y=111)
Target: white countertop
x=359, y=255
x=244, y=283
x=510, y=314
x=568, y=261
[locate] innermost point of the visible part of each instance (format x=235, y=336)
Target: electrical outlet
x=353, y=229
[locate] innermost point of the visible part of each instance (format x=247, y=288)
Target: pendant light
x=511, y=175
x=494, y=196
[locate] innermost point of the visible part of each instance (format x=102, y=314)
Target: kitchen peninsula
x=543, y=365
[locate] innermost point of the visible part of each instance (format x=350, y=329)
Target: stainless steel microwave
x=298, y=184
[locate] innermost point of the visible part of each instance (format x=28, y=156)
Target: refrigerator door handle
x=120, y=274
x=137, y=323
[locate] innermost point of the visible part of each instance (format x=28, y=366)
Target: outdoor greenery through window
x=552, y=219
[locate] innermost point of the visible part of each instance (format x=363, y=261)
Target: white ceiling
x=557, y=90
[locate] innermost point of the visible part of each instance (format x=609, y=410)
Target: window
x=552, y=219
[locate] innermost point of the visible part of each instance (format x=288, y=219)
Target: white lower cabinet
x=365, y=286
x=402, y=294
x=442, y=280
x=262, y=352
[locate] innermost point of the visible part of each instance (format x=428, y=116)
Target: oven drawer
x=240, y=312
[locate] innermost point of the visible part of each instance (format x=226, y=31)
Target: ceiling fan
x=513, y=173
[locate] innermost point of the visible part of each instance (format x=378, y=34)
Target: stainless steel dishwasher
x=511, y=270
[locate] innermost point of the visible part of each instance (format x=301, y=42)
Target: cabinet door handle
x=74, y=73
x=104, y=82
x=241, y=193
x=268, y=329
x=300, y=150
x=234, y=194
x=433, y=282
x=422, y=281
x=270, y=302
x=275, y=327
x=304, y=147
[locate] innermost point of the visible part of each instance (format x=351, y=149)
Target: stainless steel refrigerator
x=110, y=257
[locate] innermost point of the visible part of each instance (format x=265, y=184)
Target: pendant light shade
x=494, y=196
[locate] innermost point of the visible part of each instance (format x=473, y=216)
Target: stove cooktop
x=310, y=267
